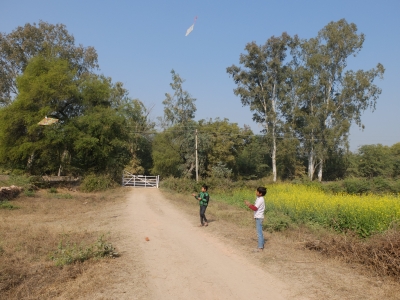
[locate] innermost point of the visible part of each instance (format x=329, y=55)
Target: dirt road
x=184, y=261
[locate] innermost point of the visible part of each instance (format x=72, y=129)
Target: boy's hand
x=246, y=202
x=193, y=194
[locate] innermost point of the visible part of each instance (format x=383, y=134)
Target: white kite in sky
x=190, y=29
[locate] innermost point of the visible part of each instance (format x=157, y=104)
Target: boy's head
x=204, y=188
x=262, y=190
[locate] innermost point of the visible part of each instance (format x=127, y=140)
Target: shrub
x=335, y=187
x=180, y=185
x=382, y=185
x=29, y=193
x=95, y=183
x=69, y=253
x=53, y=190
x=357, y=186
x=276, y=221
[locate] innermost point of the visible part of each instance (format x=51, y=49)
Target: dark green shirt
x=204, y=198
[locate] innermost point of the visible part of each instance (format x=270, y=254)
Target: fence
x=128, y=179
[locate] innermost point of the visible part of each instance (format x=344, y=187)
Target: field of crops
x=366, y=214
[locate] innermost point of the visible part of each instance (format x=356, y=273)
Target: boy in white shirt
x=259, y=208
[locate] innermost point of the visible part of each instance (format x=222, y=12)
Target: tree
x=179, y=108
x=90, y=135
x=253, y=162
x=220, y=144
x=375, y=160
x=395, y=149
x=167, y=154
x=327, y=97
x=24, y=43
x=179, y=111
x=262, y=85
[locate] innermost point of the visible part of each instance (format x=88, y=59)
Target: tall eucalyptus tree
x=262, y=85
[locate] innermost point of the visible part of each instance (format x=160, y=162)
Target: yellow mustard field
x=364, y=214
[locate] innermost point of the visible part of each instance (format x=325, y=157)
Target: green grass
x=7, y=205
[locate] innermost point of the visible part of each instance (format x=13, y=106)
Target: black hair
x=262, y=190
x=205, y=187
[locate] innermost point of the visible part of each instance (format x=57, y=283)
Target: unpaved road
x=181, y=260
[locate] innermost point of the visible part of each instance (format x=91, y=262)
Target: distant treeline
x=299, y=91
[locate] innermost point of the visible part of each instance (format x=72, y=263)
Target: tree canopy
x=22, y=44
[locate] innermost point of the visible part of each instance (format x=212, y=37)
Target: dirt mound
x=8, y=193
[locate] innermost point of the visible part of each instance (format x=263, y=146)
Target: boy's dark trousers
x=203, y=214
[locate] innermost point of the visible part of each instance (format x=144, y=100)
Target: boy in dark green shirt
x=203, y=198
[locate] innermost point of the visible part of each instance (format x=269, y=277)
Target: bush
x=38, y=182
x=180, y=185
x=335, y=187
x=69, y=253
x=53, y=190
x=29, y=193
x=357, y=186
x=220, y=185
x=96, y=183
x=276, y=221
x=382, y=185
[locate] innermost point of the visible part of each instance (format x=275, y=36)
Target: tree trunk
x=274, y=158
x=320, y=167
x=311, y=164
x=274, y=134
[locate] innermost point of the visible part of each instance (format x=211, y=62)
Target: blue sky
x=140, y=42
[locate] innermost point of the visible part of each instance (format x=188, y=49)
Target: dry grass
x=30, y=234
x=381, y=253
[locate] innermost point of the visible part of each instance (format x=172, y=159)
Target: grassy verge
x=357, y=229
x=51, y=239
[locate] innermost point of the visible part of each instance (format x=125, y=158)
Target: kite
x=48, y=121
x=190, y=29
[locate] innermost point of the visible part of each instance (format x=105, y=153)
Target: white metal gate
x=128, y=179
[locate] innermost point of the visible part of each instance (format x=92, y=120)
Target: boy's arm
x=196, y=197
x=251, y=206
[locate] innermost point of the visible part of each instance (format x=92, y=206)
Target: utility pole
x=197, y=161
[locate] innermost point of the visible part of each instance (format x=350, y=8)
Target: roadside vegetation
x=358, y=228
x=52, y=237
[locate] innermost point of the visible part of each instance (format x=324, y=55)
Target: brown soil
x=165, y=255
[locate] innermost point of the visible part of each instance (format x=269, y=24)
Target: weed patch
x=7, y=205
x=380, y=253
x=69, y=252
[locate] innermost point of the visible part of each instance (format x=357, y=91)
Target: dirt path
x=184, y=261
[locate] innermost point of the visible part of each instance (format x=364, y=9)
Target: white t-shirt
x=260, y=204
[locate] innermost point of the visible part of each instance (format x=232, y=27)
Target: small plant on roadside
x=70, y=253
x=62, y=196
x=29, y=193
x=7, y=205
x=276, y=221
x=53, y=190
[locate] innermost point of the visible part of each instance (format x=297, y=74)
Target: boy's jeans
x=260, y=234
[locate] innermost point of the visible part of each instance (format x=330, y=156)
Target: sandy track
x=184, y=261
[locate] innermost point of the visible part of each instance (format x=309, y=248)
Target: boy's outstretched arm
x=251, y=206
x=197, y=198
